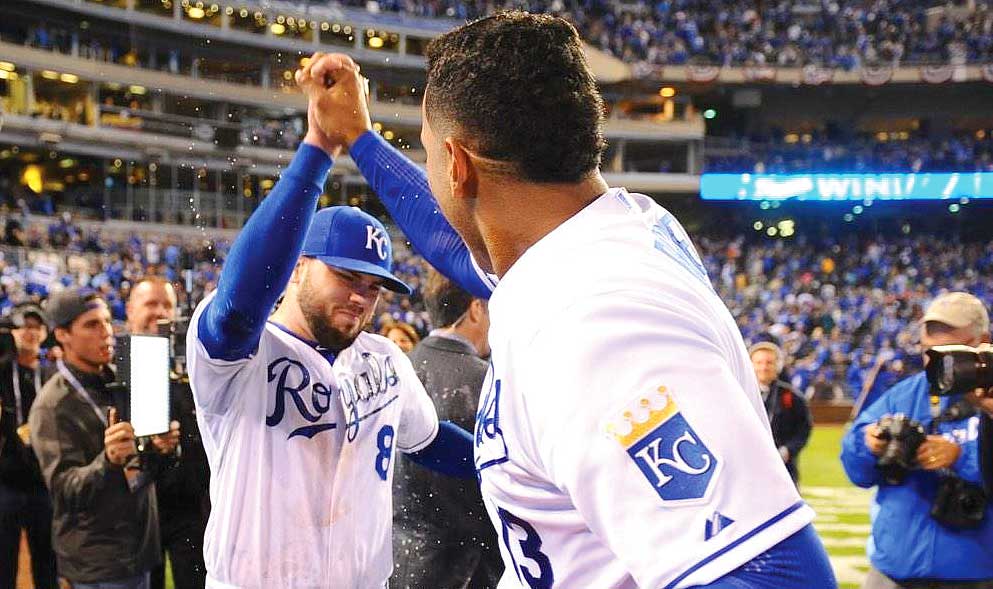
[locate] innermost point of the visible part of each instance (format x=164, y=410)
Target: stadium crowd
x=731, y=32
x=844, y=310
x=39, y=258
x=867, y=153
x=828, y=33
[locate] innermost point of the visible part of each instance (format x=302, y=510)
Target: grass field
x=842, y=509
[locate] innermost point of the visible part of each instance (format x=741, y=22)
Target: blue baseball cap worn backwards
x=351, y=239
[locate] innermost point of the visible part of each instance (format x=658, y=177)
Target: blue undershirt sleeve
x=403, y=188
x=450, y=453
x=262, y=259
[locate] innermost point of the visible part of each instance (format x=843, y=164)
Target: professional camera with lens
x=903, y=437
x=959, y=504
x=956, y=369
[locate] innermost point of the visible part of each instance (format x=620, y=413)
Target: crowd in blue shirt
x=829, y=33
x=816, y=152
x=844, y=310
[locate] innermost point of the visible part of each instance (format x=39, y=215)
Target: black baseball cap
x=65, y=306
x=21, y=312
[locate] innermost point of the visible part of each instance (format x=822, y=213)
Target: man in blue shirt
x=909, y=547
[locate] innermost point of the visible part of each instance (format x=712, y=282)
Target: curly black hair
x=516, y=87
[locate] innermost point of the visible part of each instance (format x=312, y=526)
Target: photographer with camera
x=182, y=491
x=105, y=526
x=24, y=502
x=933, y=527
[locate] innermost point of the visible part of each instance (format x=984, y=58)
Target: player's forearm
x=403, y=187
x=450, y=453
x=262, y=258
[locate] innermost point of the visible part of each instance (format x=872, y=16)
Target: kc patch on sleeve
x=663, y=445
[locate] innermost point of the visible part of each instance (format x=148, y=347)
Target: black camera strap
x=957, y=411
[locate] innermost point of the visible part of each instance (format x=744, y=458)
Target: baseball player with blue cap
x=302, y=411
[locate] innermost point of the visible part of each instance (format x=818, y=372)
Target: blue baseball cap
x=351, y=239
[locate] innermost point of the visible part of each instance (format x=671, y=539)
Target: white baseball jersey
x=621, y=439
x=301, y=459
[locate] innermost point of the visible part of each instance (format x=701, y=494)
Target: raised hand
x=338, y=110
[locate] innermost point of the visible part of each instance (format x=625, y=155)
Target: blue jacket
x=906, y=542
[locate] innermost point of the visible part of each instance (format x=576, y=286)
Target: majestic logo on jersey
x=375, y=235
x=292, y=378
x=715, y=525
x=665, y=448
x=491, y=449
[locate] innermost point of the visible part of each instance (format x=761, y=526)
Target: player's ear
x=463, y=174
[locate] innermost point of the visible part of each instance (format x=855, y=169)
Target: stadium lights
x=954, y=208
x=787, y=227
x=32, y=178
x=69, y=78
x=388, y=135
x=376, y=43
x=7, y=66
x=710, y=114
x=5, y=75
x=137, y=89
x=277, y=29
x=758, y=226
x=667, y=92
x=195, y=12
x=49, y=75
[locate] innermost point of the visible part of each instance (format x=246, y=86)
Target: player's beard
x=315, y=312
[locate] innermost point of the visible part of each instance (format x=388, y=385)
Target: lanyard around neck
x=71, y=379
x=18, y=395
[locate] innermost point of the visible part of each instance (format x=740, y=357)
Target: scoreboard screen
x=842, y=187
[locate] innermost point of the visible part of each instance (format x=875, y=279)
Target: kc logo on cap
x=351, y=239
x=375, y=235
